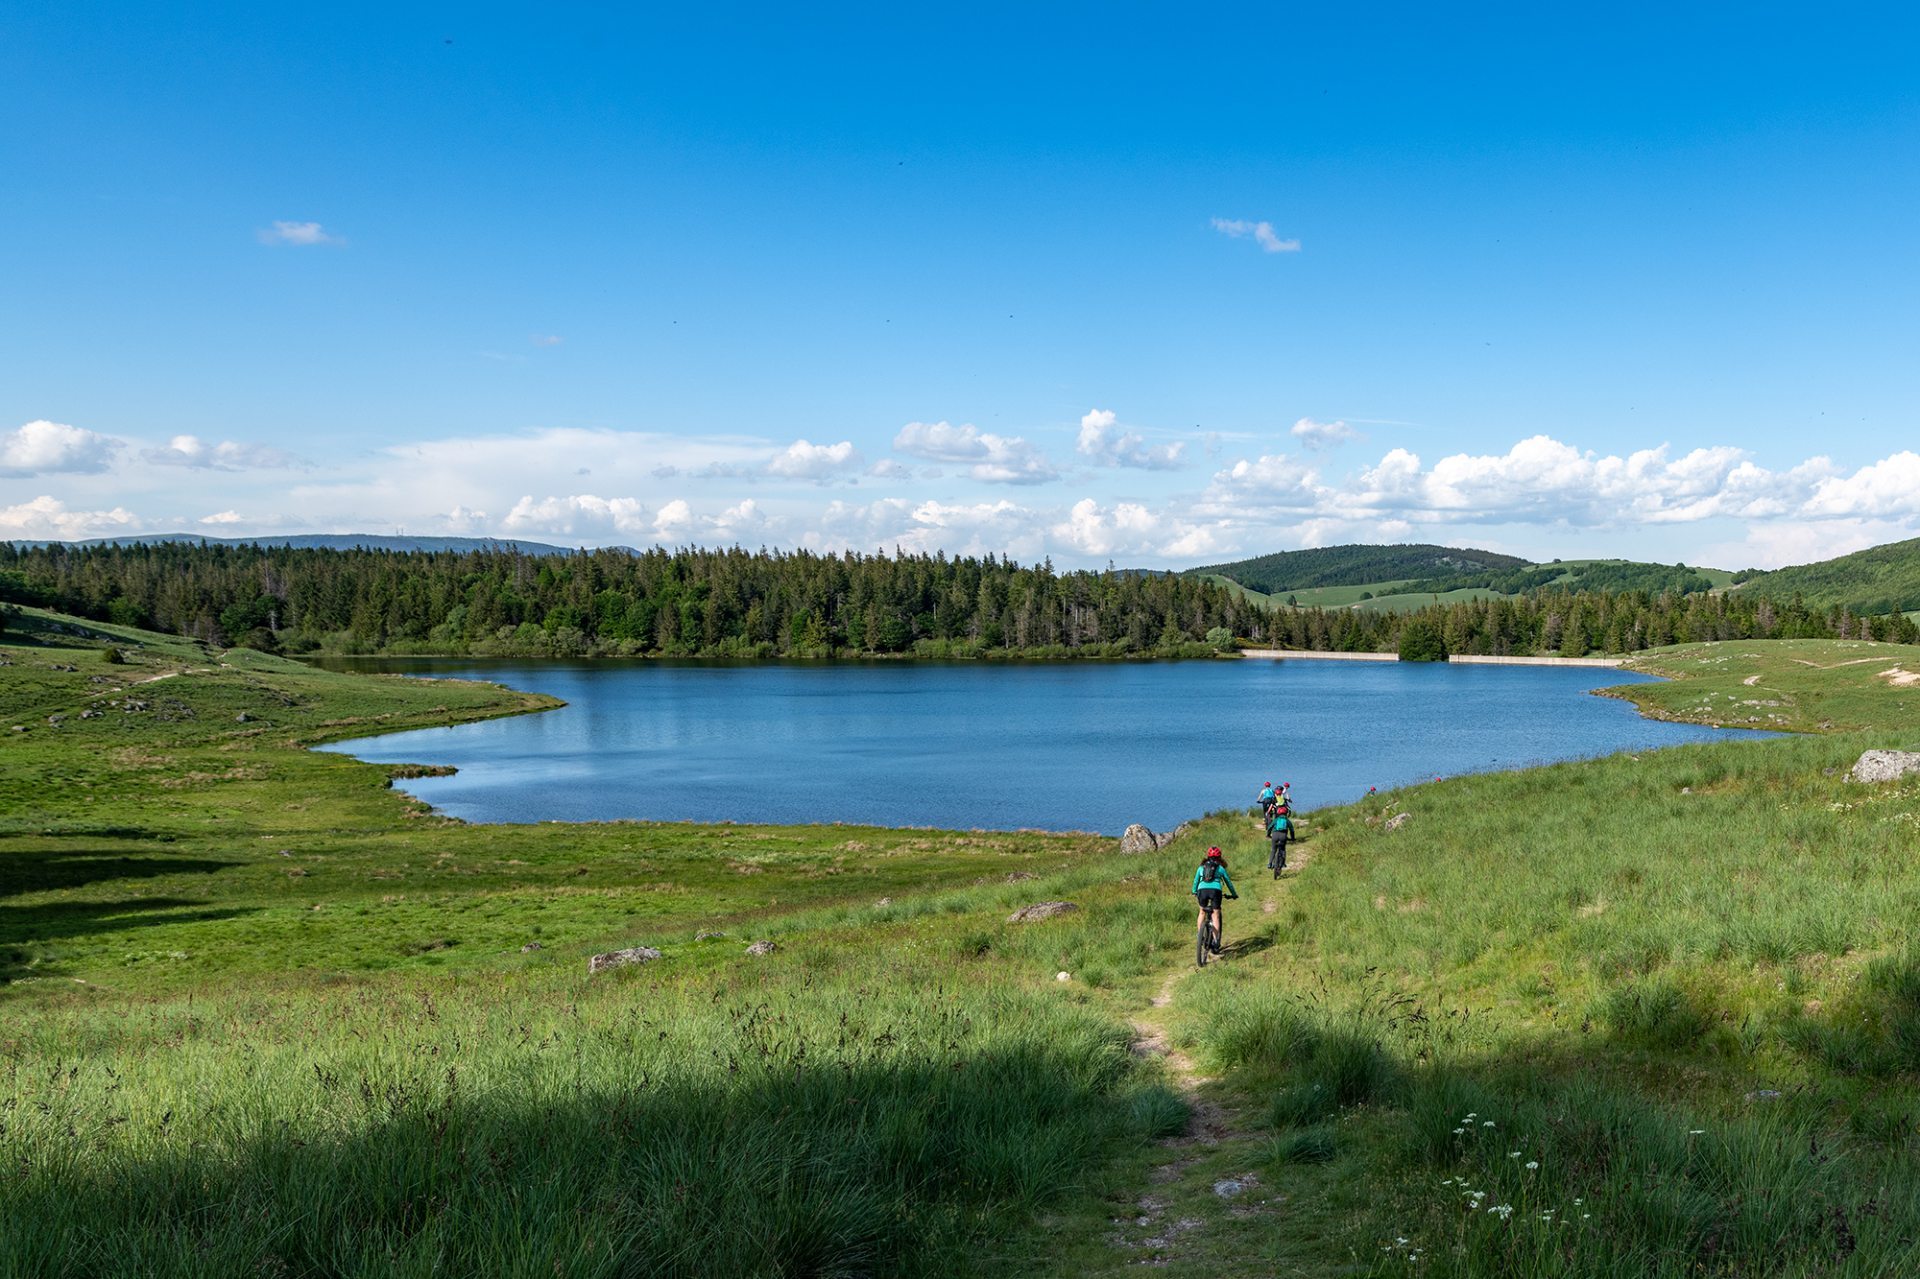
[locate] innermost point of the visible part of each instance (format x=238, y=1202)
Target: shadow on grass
x=24, y=926
x=865, y=1165
x=42, y=871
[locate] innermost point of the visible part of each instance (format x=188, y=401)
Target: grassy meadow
x=262, y=1014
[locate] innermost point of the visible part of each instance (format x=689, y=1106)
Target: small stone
x=1228, y=1187
x=530, y=947
x=1063, y=976
x=1764, y=1094
x=707, y=936
x=618, y=958
x=760, y=948
x=1020, y=876
x=243, y=718
x=1040, y=910
x=884, y=901
x=1398, y=820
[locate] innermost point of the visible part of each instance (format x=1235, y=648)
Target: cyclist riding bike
x=1210, y=880
x=1279, y=831
x=1267, y=798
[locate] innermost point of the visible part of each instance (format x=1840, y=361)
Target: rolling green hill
x=1292, y=571
x=1881, y=579
x=1399, y=578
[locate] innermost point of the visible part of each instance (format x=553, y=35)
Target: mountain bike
x=1277, y=859
x=1207, y=942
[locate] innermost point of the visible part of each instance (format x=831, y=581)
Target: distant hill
x=1881, y=579
x=333, y=542
x=1396, y=579
x=1287, y=571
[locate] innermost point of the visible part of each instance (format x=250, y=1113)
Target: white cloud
x=582, y=515
x=1109, y=444
x=47, y=518
x=888, y=469
x=1262, y=233
x=1322, y=435
x=301, y=234
x=54, y=448
x=1094, y=530
x=1887, y=488
x=994, y=459
x=227, y=455
x=547, y=339
x=803, y=460
x=223, y=517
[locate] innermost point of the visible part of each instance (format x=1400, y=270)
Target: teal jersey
x=1280, y=826
x=1225, y=882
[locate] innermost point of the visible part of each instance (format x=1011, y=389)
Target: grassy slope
x=1388, y=595
x=1683, y=984
x=1871, y=579
x=1601, y=957
x=296, y=1031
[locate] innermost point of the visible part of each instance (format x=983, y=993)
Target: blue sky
x=1139, y=283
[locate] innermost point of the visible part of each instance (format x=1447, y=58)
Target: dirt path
x=1204, y=1185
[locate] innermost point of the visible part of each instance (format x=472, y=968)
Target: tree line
x=737, y=603
x=718, y=603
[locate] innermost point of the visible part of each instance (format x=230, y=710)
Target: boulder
x=1040, y=910
x=620, y=958
x=1884, y=766
x=1161, y=841
x=1398, y=820
x=530, y=947
x=762, y=948
x=1138, y=839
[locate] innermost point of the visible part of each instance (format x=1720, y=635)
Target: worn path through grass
x=1202, y=1201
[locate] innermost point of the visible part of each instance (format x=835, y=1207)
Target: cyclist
x=1210, y=879
x=1279, y=831
x=1267, y=797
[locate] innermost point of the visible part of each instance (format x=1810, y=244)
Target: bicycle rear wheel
x=1200, y=951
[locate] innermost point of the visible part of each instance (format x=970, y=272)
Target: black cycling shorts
x=1209, y=898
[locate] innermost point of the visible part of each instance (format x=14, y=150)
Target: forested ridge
x=683, y=603
x=737, y=603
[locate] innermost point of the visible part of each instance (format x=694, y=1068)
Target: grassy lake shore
x=263, y=1014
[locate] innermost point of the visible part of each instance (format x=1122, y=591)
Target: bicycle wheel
x=1200, y=947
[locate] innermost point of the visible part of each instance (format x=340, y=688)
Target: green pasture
x=262, y=1014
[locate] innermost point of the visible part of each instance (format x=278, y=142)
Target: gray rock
x=1398, y=820
x=707, y=936
x=1138, y=839
x=1040, y=910
x=1884, y=766
x=530, y=947
x=619, y=958
x=1015, y=877
x=762, y=948
x=1161, y=841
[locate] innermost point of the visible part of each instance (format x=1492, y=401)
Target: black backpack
x=1210, y=871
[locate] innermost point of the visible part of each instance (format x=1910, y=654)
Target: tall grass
x=886, y=1120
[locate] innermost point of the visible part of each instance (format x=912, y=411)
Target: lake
x=1053, y=746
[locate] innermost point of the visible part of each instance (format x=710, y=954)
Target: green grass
x=1685, y=984
x=264, y=1014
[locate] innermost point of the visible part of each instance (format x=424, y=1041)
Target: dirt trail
x=1208, y=1171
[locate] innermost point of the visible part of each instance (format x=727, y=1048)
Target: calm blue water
x=1055, y=746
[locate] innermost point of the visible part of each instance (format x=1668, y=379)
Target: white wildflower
x=1532, y=1164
